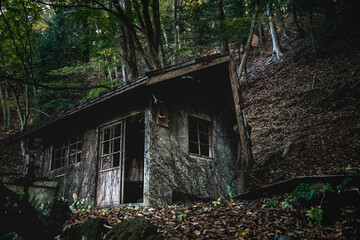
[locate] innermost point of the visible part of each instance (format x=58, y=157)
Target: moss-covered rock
x=133, y=229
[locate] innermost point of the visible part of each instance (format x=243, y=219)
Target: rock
x=133, y=229
x=93, y=229
x=284, y=238
x=60, y=212
x=286, y=149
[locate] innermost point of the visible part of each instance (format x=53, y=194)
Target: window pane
x=79, y=146
x=116, y=159
x=106, y=148
x=204, y=139
x=192, y=124
x=204, y=126
x=193, y=148
x=57, y=153
x=106, y=134
x=117, y=130
x=72, y=159
x=106, y=162
x=204, y=150
x=78, y=158
x=58, y=163
x=193, y=136
x=117, y=145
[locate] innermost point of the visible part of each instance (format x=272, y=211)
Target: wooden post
x=244, y=138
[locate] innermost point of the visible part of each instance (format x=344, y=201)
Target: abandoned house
x=177, y=131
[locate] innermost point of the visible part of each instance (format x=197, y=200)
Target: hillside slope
x=304, y=111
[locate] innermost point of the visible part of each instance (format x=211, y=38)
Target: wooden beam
x=177, y=72
x=244, y=138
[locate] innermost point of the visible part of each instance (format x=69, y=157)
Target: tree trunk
x=2, y=101
x=299, y=31
x=312, y=34
x=277, y=52
x=248, y=43
x=124, y=73
x=260, y=33
x=225, y=40
x=280, y=18
x=8, y=113
x=176, y=29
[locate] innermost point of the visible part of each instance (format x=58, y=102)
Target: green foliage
x=228, y=189
x=304, y=191
x=271, y=202
x=181, y=217
x=216, y=202
x=12, y=236
x=345, y=183
x=79, y=205
x=315, y=215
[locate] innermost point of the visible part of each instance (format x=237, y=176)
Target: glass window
x=200, y=137
x=67, y=152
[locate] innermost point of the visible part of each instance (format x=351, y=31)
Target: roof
x=150, y=78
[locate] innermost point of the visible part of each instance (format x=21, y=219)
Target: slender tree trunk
x=312, y=34
x=280, y=18
x=277, y=51
x=163, y=56
x=176, y=39
x=225, y=40
x=299, y=31
x=248, y=43
x=110, y=77
x=260, y=33
x=2, y=101
x=124, y=73
x=8, y=113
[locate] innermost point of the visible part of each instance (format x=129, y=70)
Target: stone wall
x=38, y=191
x=173, y=169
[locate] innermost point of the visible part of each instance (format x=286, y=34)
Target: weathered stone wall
x=80, y=178
x=173, y=169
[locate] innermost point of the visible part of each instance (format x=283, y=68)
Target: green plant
x=327, y=187
x=348, y=167
x=230, y=193
x=216, y=202
x=79, y=205
x=13, y=236
x=315, y=215
x=304, y=191
x=271, y=202
x=181, y=217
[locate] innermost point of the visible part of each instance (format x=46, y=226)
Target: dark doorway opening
x=134, y=160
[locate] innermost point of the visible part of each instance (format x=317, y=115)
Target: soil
x=304, y=111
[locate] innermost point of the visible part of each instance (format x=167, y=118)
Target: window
x=200, y=137
x=111, y=145
x=67, y=152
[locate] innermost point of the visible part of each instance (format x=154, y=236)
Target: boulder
x=133, y=229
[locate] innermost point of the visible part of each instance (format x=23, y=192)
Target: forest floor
x=304, y=111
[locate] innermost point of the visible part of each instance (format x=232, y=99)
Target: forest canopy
x=56, y=53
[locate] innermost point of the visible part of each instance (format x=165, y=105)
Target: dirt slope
x=304, y=111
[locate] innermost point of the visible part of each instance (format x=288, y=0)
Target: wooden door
x=111, y=165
